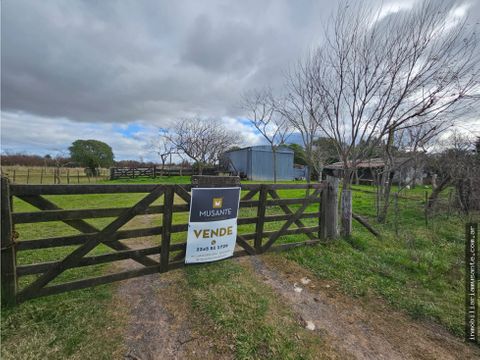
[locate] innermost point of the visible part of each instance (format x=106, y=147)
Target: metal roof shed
x=256, y=162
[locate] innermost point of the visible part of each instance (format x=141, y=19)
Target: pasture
x=418, y=270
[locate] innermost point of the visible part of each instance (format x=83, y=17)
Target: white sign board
x=212, y=228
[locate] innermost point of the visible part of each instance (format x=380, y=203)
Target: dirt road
x=365, y=330
x=161, y=325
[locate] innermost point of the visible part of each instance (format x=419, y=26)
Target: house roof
x=281, y=149
x=368, y=163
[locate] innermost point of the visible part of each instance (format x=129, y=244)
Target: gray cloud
x=149, y=61
x=128, y=60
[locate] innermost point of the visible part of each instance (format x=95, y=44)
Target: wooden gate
x=164, y=253
x=131, y=173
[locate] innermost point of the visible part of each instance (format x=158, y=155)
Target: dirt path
x=161, y=324
x=159, y=320
x=153, y=331
x=366, y=331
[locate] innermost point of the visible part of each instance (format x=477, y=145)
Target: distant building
x=368, y=170
x=256, y=163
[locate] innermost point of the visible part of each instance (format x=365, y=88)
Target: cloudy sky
x=118, y=70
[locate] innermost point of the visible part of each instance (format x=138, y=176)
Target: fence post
x=329, y=210
x=395, y=204
x=166, y=227
x=346, y=212
x=8, y=256
x=260, y=217
x=426, y=208
x=449, y=203
x=207, y=181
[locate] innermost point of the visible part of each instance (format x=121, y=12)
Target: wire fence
x=51, y=175
x=408, y=209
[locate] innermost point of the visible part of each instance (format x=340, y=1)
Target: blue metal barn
x=256, y=163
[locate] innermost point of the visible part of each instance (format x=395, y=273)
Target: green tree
x=325, y=150
x=299, y=155
x=233, y=148
x=92, y=154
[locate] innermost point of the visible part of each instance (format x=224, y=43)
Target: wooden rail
x=153, y=172
x=164, y=253
x=51, y=175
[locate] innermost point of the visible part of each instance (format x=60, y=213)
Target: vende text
x=209, y=233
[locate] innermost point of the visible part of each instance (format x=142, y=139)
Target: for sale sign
x=212, y=228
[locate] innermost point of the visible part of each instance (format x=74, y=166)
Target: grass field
x=419, y=270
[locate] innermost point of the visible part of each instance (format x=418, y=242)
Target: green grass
x=72, y=324
x=419, y=270
x=56, y=228
x=67, y=324
x=76, y=325
x=242, y=312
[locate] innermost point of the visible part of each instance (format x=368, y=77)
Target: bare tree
x=264, y=113
x=301, y=108
x=62, y=159
x=163, y=147
x=377, y=75
x=457, y=165
x=408, y=149
x=202, y=140
x=323, y=152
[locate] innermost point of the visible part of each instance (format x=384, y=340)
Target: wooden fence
x=152, y=172
x=169, y=254
x=51, y=175
x=131, y=173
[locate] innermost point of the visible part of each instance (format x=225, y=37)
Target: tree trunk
x=387, y=178
x=434, y=195
x=163, y=167
x=414, y=178
x=274, y=153
x=464, y=191
x=387, y=186
x=346, y=203
x=346, y=212
x=434, y=181
x=378, y=191
x=320, y=172
x=57, y=175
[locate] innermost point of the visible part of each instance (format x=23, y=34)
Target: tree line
x=90, y=154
